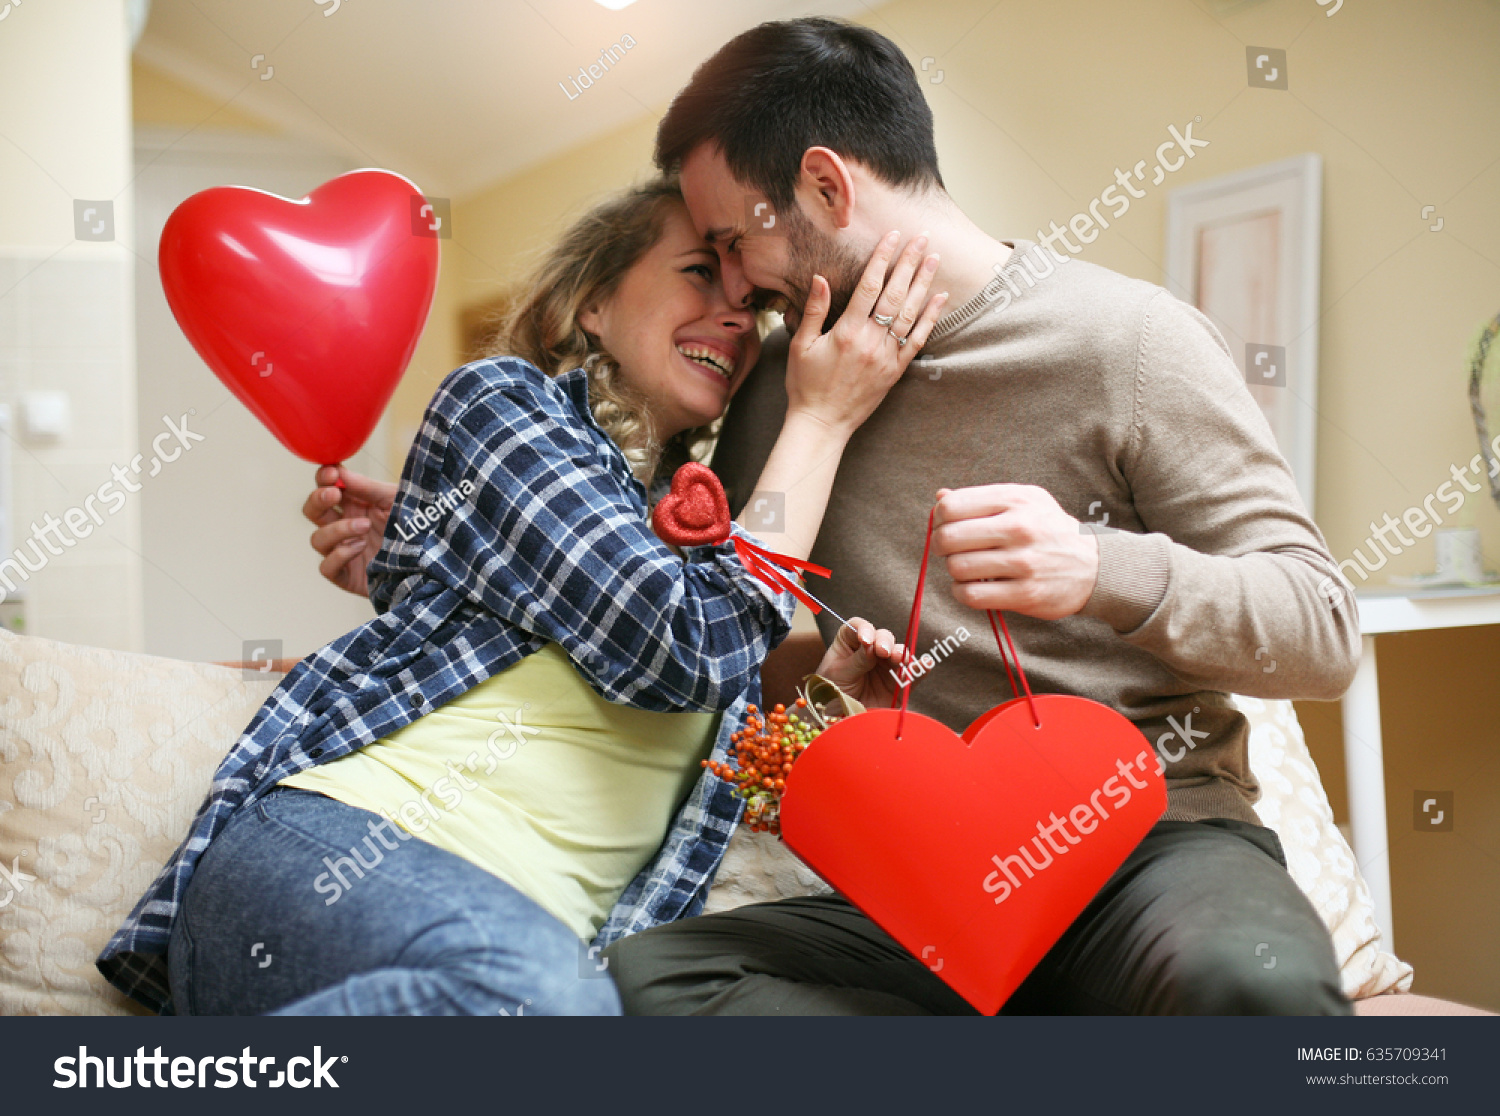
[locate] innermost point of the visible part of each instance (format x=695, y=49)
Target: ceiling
x=456, y=94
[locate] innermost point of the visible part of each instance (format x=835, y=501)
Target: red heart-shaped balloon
x=952, y=844
x=307, y=310
x=695, y=512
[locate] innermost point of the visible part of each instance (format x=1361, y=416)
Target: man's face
x=766, y=256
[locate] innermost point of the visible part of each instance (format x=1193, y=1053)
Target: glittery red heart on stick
x=696, y=513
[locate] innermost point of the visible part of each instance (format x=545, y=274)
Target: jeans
x=1201, y=919
x=297, y=908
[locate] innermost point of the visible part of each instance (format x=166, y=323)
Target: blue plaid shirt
x=547, y=540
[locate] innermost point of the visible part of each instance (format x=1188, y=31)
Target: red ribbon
x=762, y=562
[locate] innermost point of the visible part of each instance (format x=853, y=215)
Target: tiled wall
x=67, y=324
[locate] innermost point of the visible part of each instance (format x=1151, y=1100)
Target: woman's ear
x=588, y=319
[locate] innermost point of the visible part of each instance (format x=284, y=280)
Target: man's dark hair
x=780, y=88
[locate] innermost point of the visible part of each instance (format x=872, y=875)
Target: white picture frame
x=1246, y=249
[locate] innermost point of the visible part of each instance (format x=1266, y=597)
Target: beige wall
x=1037, y=105
x=161, y=99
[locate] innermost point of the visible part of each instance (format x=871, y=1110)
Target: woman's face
x=680, y=345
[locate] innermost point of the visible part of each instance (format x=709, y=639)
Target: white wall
x=66, y=309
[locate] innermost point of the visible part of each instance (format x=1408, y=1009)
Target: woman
x=435, y=813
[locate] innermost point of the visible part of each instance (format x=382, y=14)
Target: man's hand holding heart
x=1012, y=547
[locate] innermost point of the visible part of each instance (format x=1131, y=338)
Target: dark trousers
x=1201, y=919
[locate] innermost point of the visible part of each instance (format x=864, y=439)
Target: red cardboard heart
x=972, y=851
x=308, y=310
x=695, y=512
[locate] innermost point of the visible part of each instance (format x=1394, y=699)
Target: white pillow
x=1294, y=804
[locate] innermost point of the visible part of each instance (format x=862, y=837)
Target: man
x=1105, y=477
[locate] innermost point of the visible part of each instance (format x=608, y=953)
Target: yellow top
x=534, y=777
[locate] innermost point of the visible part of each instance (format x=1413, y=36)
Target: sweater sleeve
x=1231, y=585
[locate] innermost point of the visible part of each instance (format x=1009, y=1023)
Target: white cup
x=1459, y=557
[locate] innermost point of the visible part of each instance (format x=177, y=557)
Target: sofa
x=106, y=755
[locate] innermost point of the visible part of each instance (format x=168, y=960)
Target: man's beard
x=811, y=253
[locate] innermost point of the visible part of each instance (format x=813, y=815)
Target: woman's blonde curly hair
x=583, y=268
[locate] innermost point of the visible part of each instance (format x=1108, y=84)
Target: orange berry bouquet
x=770, y=742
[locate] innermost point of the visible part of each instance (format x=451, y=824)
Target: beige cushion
x=104, y=759
x=758, y=868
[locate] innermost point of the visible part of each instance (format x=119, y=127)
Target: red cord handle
x=914, y=623
x=762, y=562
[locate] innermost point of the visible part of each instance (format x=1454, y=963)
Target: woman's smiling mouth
x=710, y=359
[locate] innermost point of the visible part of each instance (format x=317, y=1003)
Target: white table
x=1380, y=611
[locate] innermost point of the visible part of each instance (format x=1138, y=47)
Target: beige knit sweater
x=1118, y=399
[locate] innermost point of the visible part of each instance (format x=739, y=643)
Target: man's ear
x=826, y=186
